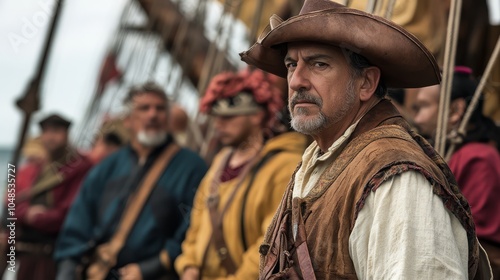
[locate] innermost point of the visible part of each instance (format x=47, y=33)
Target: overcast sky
x=84, y=33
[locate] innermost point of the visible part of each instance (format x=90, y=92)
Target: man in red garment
x=43, y=196
x=475, y=163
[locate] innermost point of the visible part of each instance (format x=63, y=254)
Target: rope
x=448, y=68
x=256, y=20
x=370, y=6
x=88, y=121
x=390, y=9
x=219, y=64
x=212, y=52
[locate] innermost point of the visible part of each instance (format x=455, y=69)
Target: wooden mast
x=30, y=101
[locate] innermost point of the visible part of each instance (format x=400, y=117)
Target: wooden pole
x=30, y=102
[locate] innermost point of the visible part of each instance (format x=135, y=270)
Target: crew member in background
x=44, y=193
x=475, y=162
x=94, y=229
x=242, y=189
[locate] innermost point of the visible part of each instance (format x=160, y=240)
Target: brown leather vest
x=382, y=146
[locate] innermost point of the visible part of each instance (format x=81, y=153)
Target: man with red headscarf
x=240, y=193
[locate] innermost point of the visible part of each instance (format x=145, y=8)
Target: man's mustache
x=303, y=96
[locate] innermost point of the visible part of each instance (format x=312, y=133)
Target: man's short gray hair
x=148, y=87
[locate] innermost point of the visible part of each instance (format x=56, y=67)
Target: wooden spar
x=475, y=99
x=448, y=69
x=30, y=102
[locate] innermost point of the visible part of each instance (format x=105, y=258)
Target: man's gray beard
x=151, y=139
x=316, y=124
x=308, y=126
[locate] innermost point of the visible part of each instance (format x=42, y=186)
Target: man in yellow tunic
x=238, y=196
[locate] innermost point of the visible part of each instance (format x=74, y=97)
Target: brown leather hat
x=403, y=60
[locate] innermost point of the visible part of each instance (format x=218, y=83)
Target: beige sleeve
x=404, y=231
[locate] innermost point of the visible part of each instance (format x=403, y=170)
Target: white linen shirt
x=403, y=231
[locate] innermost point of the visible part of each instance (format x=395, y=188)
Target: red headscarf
x=260, y=84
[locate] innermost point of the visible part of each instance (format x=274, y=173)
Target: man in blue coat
x=154, y=240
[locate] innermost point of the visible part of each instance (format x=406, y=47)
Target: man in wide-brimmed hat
x=371, y=199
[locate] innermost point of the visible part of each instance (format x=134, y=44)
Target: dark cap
x=463, y=85
x=54, y=120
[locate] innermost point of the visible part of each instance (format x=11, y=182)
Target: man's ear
x=369, y=82
x=457, y=110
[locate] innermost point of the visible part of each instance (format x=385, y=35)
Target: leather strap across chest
x=217, y=217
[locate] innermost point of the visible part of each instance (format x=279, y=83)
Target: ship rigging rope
x=390, y=9
x=370, y=6
x=206, y=71
x=88, y=120
x=448, y=69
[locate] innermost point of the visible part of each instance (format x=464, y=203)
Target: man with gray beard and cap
x=131, y=215
x=371, y=198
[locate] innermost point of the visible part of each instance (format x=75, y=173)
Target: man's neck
x=59, y=154
x=247, y=150
x=327, y=136
x=141, y=150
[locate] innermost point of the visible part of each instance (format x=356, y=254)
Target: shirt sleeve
x=404, y=231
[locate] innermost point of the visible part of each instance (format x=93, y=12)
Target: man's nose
x=218, y=123
x=152, y=112
x=299, y=78
x=418, y=119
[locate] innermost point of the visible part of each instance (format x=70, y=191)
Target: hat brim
x=402, y=58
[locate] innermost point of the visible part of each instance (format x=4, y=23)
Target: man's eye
x=290, y=65
x=320, y=64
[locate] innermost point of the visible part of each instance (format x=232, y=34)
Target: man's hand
x=191, y=273
x=130, y=272
x=97, y=271
x=33, y=211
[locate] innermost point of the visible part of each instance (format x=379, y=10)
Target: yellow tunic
x=262, y=201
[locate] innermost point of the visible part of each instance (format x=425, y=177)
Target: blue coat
x=162, y=224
